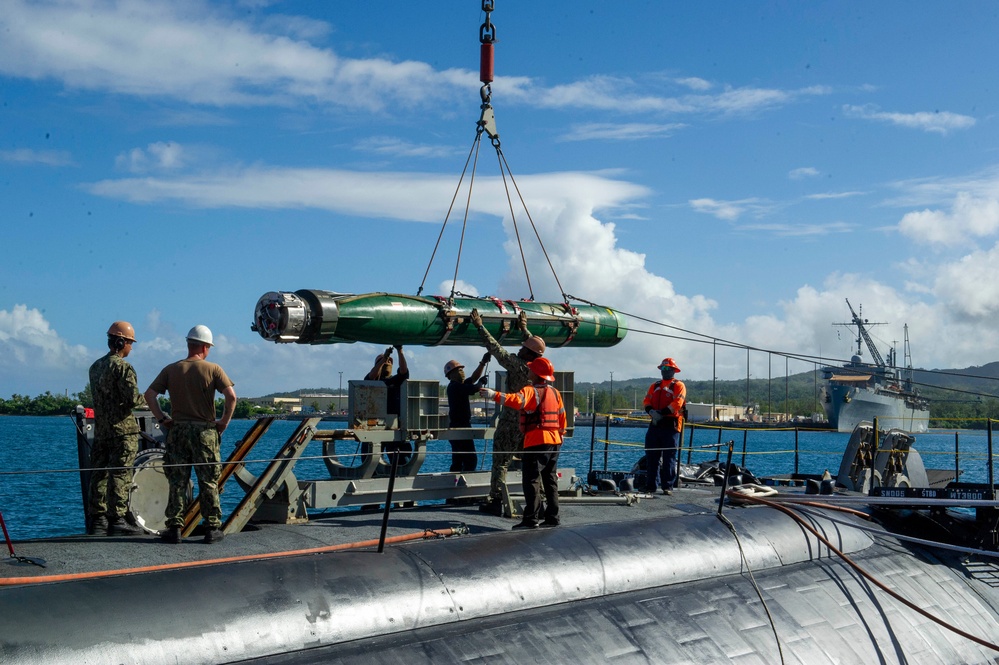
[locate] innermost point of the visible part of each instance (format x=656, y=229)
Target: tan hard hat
x=122, y=329
x=534, y=343
x=452, y=365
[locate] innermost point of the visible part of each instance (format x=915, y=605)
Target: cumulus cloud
x=159, y=156
x=34, y=357
x=968, y=288
x=940, y=122
x=460, y=286
x=969, y=217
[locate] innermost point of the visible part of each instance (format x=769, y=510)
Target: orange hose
x=866, y=575
x=96, y=574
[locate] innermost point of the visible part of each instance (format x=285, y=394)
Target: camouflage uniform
x=508, y=438
x=116, y=436
x=193, y=437
x=198, y=444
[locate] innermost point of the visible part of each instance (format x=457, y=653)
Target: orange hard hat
x=669, y=363
x=122, y=329
x=534, y=343
x=451, y=365
x=543, y=368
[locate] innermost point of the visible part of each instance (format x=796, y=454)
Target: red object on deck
x=486, y=62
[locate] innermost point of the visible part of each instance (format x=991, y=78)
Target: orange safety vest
x=548, y=414
x=664, y=394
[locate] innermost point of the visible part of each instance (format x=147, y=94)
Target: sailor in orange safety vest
x=542, y=420
x=664, y=402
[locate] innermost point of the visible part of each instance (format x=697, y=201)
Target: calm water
x=40, y=485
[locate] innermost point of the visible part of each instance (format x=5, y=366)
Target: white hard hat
x=451, y=366
x=200, y=333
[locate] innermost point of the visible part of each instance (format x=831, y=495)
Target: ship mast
x=863, y=335
x=907, y=358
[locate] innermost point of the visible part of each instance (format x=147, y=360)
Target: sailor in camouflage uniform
x=193, y=433
x=508, y=438
x=116, y=435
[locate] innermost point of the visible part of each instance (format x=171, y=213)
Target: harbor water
x=40, y=483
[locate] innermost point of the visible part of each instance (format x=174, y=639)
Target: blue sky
x=734, y=169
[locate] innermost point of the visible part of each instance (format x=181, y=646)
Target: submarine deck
x=82, y=554
x=659, y=580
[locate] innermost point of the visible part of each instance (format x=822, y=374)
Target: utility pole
x=339, y=398
x=611, y=409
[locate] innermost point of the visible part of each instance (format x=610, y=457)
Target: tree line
x=797, y=395
x=48, y=404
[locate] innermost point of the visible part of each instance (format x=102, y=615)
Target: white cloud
x=729, y=211
x=800, y=229
x=199, y=53
x=969, y=217
x=940, y=122
x=29, y=156
x=35, y=358
x=460, y=287
x=634, y=131
x=159, y=156
x=833, y=195
x=694, y=83
x=968, y=288
x=207, y=54
x=404, y=196
x=803, y=172
x=400, y=149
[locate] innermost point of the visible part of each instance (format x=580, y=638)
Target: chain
x=487, y=37
x=487, y=31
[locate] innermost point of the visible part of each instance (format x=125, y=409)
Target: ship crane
x=863, y=335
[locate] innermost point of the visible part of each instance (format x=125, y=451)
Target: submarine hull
x=671, y=590
x=326, y=317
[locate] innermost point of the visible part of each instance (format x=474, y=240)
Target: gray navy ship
x=862, y=391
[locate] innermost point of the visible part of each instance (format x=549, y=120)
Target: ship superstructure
x=859, y=390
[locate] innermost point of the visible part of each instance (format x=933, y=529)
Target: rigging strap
x=487, y=124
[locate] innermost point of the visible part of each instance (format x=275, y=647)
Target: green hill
x=963, y=398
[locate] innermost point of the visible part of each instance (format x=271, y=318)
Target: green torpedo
x=326, y=317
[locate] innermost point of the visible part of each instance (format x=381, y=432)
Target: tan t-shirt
x=192, y=384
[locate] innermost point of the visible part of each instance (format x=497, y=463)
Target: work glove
x=656, y=417
x=398, y=347
x=522, y=321
x=488, y=393
x=476, y=318
x=486, y=357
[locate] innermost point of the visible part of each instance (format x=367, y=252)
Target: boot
x=214, y=534
x=98, y=526
x=120, y=527
x=492, y=507
x=171, y=535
